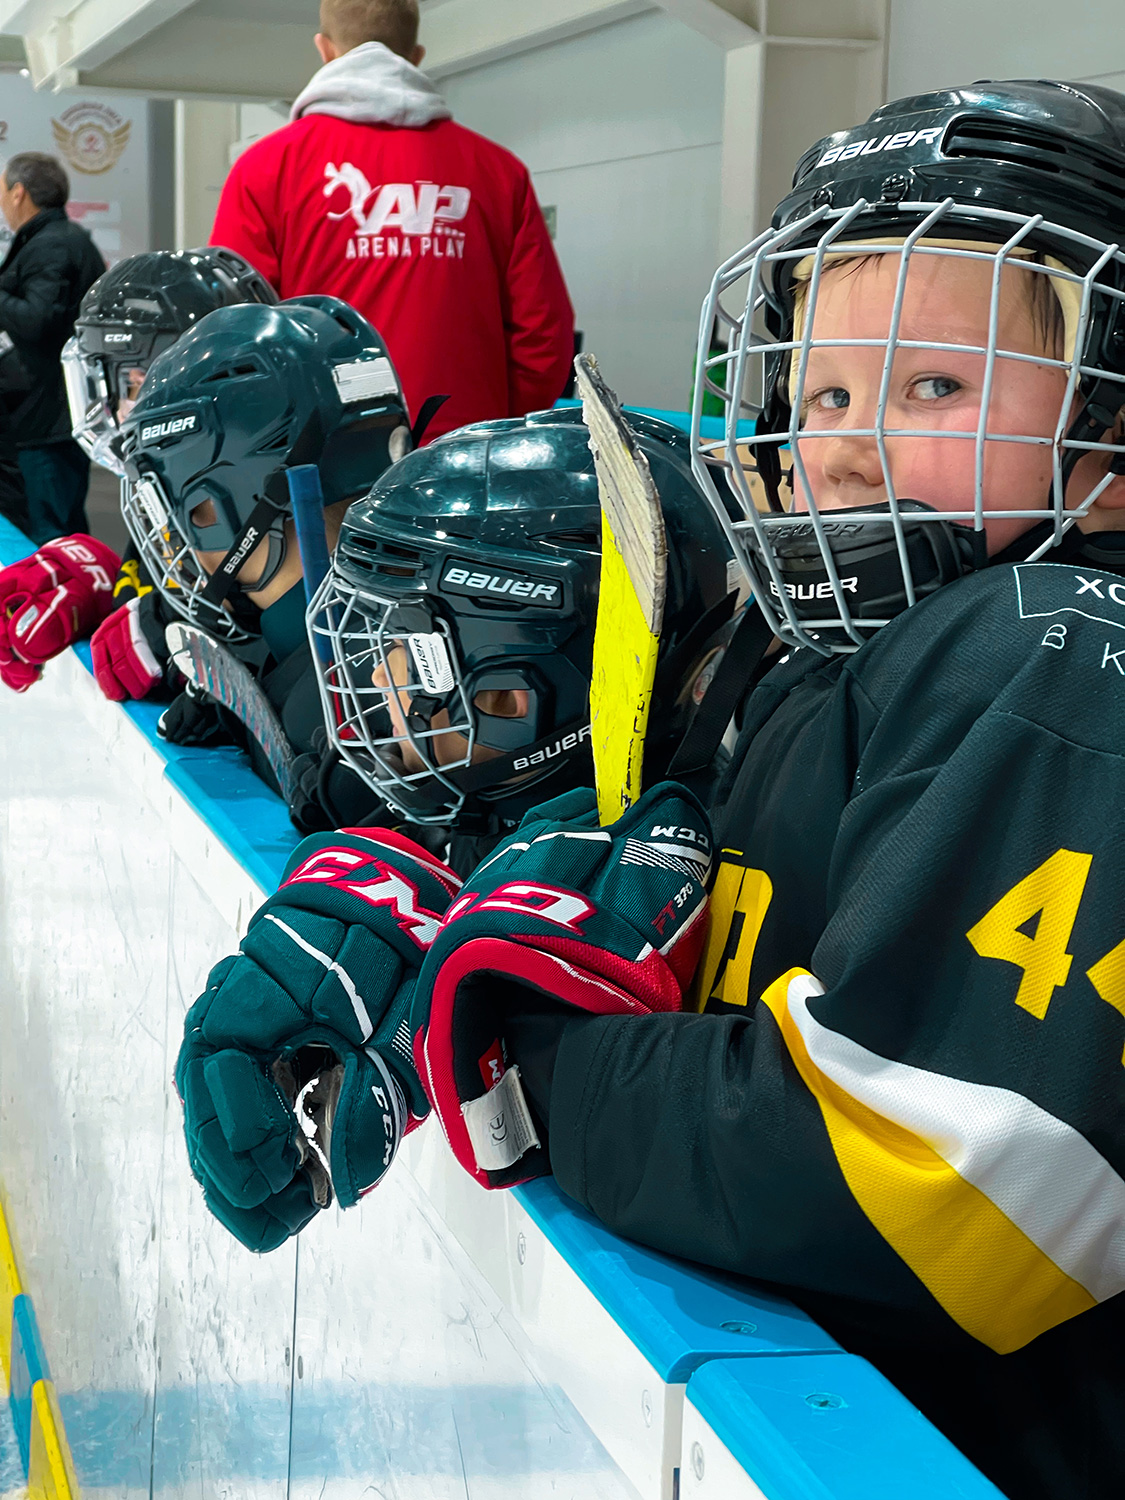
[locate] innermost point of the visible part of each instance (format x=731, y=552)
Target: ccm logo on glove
x=344, y=870
x=564, y=908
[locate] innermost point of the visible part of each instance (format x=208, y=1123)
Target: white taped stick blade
x=500, y=1125
x=626, y=491
x=210, y=666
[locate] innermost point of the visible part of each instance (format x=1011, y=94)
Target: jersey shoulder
x=1045, y=641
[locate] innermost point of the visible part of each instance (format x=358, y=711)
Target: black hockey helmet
x=131, y=314
x=471, y=570
x=245, y=395
x=1028, y=177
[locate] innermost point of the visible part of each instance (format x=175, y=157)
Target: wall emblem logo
x=91, y=137
x=398, y=219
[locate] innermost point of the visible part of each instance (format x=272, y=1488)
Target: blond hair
x=350, y=23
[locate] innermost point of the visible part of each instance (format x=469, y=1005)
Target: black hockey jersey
x=907, y=1105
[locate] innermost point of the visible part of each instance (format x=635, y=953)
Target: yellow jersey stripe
x=1007, y=1215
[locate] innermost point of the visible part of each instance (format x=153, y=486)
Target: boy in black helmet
x=455, y=631
x=903, y=1101
x=245, y=395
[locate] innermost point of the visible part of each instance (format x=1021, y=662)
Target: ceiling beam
x=727, y=23
x=63, y=42
x=464, y=34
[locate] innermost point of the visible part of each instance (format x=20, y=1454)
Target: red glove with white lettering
x=50, y=600
x=129, y=650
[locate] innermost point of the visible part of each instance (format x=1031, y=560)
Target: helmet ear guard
x=508, y=732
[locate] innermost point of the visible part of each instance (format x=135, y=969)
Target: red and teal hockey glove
x=565, y=917
x=50, y=600
x=295, y=1072
x=129, y=650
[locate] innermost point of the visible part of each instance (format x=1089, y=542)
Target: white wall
x=956, y=41
x=621, y=130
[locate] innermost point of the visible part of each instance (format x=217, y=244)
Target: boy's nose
x=851, y=462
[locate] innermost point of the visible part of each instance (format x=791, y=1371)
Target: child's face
x=947, y=301
x=446, y=749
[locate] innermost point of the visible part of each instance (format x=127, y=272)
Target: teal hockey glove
x=295, y=1071
x=565, y=916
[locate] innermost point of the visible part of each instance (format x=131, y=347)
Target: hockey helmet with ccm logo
x=131, y=315
x=469, y=579
x=245, y=395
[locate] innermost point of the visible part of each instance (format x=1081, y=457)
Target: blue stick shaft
x=307, y=498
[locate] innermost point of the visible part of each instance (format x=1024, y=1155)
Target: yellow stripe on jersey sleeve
x=1009, y=1217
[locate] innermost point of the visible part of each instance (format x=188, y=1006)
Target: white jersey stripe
x=1040, y=1172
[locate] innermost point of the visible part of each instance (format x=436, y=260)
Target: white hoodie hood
x=372, y=86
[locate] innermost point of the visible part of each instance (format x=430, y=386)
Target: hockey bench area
x=437, y=1341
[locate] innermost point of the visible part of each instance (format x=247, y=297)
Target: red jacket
x=434, y=234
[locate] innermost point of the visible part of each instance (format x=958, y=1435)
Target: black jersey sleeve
x=929, y=1115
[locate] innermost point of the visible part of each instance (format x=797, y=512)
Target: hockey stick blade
x=211, y=667
x=631, y=596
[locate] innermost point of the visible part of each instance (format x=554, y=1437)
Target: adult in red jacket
x=373, y=194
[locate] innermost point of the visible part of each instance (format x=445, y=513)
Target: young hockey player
x=455, y=636
x=248, y=393
x=467, y=581
x=128, y=317
x=904, y=1100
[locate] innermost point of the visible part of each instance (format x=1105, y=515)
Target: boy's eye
x=934, y=387
x=834, y=398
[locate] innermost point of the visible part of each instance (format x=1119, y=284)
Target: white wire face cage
x=402, y=757
x=168, y=558
x=93, y=423
x=969, y=467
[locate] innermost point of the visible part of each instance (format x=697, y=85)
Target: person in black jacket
x=49, y=267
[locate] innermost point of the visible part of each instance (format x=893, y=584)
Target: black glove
x=194, y=718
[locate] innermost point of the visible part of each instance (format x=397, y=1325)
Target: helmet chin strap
x=267, y=524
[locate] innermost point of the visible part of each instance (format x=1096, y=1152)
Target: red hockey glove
x=599, y=920
x=50, y=600
x=128, y=650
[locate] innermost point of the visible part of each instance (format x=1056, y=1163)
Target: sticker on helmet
x=435, y=670
x=481, y=583
x=364, y=378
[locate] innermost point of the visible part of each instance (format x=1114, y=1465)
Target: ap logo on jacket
x=405, y=218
